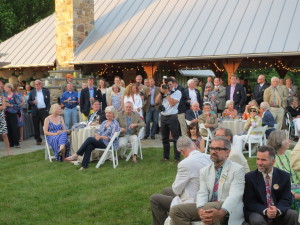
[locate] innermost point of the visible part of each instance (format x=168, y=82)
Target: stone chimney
x=74, y=21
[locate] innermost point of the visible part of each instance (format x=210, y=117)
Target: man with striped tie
x=267, y=195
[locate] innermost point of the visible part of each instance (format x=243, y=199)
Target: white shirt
x=171, y=110
x=193, y=96
x=40, y=99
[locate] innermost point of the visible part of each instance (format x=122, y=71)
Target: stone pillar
x=74, y=21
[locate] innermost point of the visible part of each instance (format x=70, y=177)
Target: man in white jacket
x=186, y=184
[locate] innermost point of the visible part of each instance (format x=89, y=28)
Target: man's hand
x=211, y=215
x=133, y=125
x=123, y=130
x=194, y=121
x=271, y=212
x=165, y=91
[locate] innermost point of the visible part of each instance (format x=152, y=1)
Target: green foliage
x=17, y=15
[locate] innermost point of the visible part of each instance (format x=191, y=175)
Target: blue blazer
x=186, y=97
x=255, y=199
x=269, y=120
x=239, y=96
x=190, y=115
x=32, y=97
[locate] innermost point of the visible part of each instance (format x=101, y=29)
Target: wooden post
x=231, y=66
x=150, y=69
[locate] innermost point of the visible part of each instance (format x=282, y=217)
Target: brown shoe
x=38, y=143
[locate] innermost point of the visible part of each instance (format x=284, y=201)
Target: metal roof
x=197, y=73
x=154, y=30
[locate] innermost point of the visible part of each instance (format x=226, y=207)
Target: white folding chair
x=265, y=137
x=209, y=136
x=109, y=152
x=289, y=123
x=188, y=122
x=48, y=155
x=254, y=139
x=140, y=134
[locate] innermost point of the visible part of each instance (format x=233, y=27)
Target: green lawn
x=35, y=191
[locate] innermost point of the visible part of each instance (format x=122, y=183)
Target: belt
x=152, y=105
x=41, y=108
x=277, y=106
x=169, y=115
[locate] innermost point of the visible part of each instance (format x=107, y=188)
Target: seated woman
x=280, y=142
x=101, y=139
x=209, y=119
x=194, y=135
x=229, y=111
x=56, y=135
x=246, y=113
x=294, y=110
x=253, y=121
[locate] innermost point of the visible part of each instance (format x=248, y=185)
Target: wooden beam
x=150, y=68
x=231, y=66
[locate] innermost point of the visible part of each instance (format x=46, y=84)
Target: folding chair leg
x=102, y=159
x=129, y=155
x=206, y=146
x=249, y=146
x=141, y=153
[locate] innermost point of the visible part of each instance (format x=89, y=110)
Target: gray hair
x=265, y=106
x=277, y=139
x=293, y=99
x=190, y=81
x=228, y=102
x=274, y=78
x=111, y=109
x=226, y=142
x=129, y=103
x=227, y=132
x=183, y=143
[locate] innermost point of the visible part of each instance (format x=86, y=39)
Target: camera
x=161, y=108
x=164, y=86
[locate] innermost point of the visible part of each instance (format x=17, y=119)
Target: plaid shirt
x=109, y=132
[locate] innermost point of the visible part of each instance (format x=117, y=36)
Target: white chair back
x=209, y=136
x=48, y=155
x=108, y=152
x=140, y=137
x=254, y=139
x=188, y=122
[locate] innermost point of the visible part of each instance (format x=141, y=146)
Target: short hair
x=117, y=77
x=190, y=81
x=95, y=102
x=253, y=101
x=276, y=139
x=293, y=99
x=227, y=132
x=183, y=143
x=38, y=81
x=129, y=103
x=274, y=78
x=262, y=76
x=207, y=104
x=139, y=76
x=54, y=107
x=226, y=142
x=170, y=79
x=265, y=105
x=266, y=148
x=228, y=102
x=111, y=109
x=10, y=86
x=234, y=75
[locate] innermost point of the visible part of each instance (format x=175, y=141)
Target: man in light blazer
x=259, y=89
x=130, y=123
x=236, y=93
x=219, y=199
x=186, y=184
x=221, y=94
x=39, y=101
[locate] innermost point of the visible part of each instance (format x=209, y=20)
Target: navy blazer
x=85, y=100
x=258, y=95
x=268, y=120
x=186, y=97
x=239, y=96
x=190, y=115
x=32, y=97
x=255, y=199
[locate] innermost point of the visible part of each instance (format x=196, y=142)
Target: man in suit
x=267, y=118
x=221, y=94
x=191, y=95
x=276, y=95
x=267, y=195
x=193, y=113
x=219, y=199
x=151, y=109
x=91, y=119
x=259, y=88
x=186, y=184
x=236, y=93
x=130, y=123
x=88, y=96
x=39, y=101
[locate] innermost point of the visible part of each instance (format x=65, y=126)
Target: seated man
x=220, y=193
x=267, y=118
x=234, y=156
x=97, y=117
x=209, y=119
x=186, y=184
x=193, y=113
x=130, y=123
x=267, y=195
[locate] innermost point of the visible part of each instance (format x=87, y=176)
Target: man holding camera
x=169, y=97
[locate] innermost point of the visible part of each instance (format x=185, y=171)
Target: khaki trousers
x=183, y=127
x=278, y=114
x=184, y=214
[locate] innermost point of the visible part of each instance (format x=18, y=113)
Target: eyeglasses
x=217, y=149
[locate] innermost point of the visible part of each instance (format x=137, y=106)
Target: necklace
x=289, y=170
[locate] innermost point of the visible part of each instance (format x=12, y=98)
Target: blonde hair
x=54, y=107
x=128, y=90
x=10, y=86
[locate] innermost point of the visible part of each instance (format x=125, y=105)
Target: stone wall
x=74, y=21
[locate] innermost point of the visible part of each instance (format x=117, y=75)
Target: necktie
x=196, y=114
x=92, y=117
x=268, y=191
x=259, y=89
x=214, y=197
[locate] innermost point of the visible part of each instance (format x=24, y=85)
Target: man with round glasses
x=219, y=199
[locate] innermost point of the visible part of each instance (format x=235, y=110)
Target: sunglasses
x=253, y=110
x=217, y=149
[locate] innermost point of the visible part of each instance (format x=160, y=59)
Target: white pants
x=238, y=141
x=297, y=126
x=123, y=142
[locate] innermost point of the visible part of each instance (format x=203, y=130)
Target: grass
x=35, y=191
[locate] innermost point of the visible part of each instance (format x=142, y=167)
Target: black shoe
x=146, y=136
x=38, y=143
x=152, y=137
x=164, y=160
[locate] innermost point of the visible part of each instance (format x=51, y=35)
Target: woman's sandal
x=71, y=158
